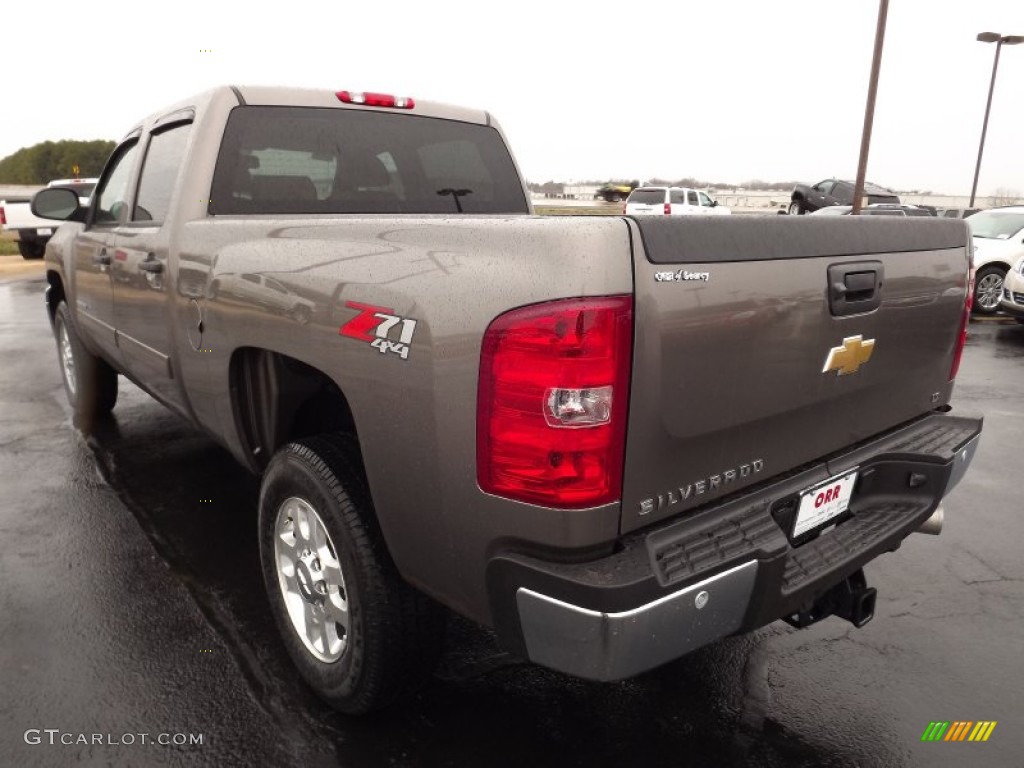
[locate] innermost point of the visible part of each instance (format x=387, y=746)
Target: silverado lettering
x=699, y=487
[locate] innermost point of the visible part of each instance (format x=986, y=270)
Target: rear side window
x=677, y=196
x=647, y=196
x=691, y=197
x=164, y=159
x=308, y=160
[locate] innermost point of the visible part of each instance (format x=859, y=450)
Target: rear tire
x=31, y=250
x=89, y=381
x=359, y=635
x=988, y=289
x=796, y=208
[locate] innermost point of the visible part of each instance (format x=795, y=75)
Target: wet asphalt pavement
x=131, y=602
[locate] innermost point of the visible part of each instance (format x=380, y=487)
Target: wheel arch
x=995, y=263
x=277, y=399
x=55, y=292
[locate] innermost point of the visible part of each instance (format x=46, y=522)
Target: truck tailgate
x=764, y=344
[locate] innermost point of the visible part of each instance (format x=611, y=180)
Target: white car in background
x=998, y=235
x=672, y=201
x=34, y=232
x=1013, y=292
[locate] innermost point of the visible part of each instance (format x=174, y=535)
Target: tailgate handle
x=855, y=288
x=859, y=286
x=152, y=266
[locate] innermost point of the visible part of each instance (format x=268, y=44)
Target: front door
x=93, y=252
x=821, y=194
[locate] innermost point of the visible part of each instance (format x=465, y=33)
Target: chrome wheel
x=988, y=291
x=67, y=360
x=311, y=581
x=794, y=209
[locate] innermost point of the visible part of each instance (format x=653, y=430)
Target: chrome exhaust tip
x=933, y=525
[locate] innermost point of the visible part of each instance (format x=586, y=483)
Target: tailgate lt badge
x=849, y=357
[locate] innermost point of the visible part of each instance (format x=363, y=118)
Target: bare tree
x=1005, y=196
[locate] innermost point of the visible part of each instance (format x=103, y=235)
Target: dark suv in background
x=807, y=199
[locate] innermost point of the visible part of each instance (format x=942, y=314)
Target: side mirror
x=57, y=203
x=714, y=203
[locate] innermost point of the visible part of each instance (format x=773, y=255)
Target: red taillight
x=552, y=402
x=668, y=209
x=3, y=216
x=367, y=99
x=961, y=338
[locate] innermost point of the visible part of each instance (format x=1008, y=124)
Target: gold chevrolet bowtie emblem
x=849, y=357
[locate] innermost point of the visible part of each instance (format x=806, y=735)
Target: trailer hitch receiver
x=851, y=599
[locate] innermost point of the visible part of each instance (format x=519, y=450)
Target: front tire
x=89, y=381
x=988, y=289
x=796, y=208
x=358, y=634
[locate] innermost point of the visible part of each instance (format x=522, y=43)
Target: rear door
x=94, y=249
x=842, y=194
x=142, y=279
x=692, y=202
x=748, y=362
x=677, y=199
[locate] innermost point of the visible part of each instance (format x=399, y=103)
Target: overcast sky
x=717, y=90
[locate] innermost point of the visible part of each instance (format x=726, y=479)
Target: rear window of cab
x=279, y=160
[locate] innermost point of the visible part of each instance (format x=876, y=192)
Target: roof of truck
x=277, y=96
x=261, y=95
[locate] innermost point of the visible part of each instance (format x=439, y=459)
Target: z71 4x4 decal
x=374, y=324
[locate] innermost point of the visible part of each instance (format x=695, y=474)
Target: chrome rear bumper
x=612, y=646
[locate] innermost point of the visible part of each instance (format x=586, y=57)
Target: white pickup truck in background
x=33, y=232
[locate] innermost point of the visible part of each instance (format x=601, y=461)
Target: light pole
x=1000, y=41
x=869, y=109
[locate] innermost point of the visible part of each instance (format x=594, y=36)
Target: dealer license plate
x=824, y=502
x=44, y=231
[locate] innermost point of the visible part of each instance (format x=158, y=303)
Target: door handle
x=153, y=267
x=101, y=258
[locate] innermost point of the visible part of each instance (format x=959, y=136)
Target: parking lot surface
x=131, y=603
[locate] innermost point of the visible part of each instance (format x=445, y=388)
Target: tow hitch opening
x=851, y=599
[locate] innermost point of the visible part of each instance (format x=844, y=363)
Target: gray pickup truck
x=612, y=440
